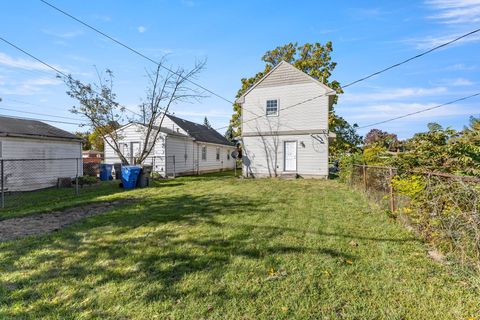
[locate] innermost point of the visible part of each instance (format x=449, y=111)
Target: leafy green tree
x=86, y=144
x=315, y=60
x=377, y=137
x=444, y=150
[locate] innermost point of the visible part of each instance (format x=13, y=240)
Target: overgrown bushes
x=446, y=212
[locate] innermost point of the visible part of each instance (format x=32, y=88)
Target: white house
x=34, y=154
x=183, y=148
x=285, y=125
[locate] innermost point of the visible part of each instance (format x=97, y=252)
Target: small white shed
x=34, y=154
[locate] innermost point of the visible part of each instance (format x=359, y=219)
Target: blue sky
x=232, y=36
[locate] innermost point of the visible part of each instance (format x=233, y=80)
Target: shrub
x=86, y=180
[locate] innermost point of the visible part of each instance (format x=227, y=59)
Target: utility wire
x=136, y=51
x=37, y=114
x=372, y=74
x=49, y=65
x=420, y=111
x=44, y=120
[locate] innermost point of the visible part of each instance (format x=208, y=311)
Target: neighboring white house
x=285, y=125
x=183, y=148
x=35, y=154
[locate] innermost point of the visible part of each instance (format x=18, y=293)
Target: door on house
x=290, y=148
x=134, y=152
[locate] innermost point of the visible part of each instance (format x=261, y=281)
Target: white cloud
x=433, y=41
x=461, y=82
x=25, y=64
x=188, y=3
x=392, y=94
x=27, y=87
x=365, y=115
x=141, y=29
x=455, y=11
x=64, y=34
x=461, y=67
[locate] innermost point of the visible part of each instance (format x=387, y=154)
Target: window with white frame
x=218, y=154
x=204, y=152
x=228, y=154
x=272, y=108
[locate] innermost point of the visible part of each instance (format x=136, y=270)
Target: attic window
x=272, y=108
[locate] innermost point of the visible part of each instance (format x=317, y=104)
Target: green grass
x=221, y=248
x=28, y=203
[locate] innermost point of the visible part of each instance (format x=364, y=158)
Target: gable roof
x=293, y=74
x=14, y=127
x=200, y=132
x=162, y=129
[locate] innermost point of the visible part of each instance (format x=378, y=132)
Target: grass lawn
x=221, y=248
x=28, y=203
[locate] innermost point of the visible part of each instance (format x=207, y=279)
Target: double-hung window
x=204, y=152
x=272, y=108
x=218, y=154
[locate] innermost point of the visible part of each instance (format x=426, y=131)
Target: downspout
x=198, y=161
x=166, y=157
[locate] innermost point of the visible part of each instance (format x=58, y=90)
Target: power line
x=44, y=120
x=374, y=73
x=38, y=114
x=420, y=111
x=135, y=51
x=50, y=66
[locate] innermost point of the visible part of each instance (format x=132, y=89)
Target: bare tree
x=97, y=103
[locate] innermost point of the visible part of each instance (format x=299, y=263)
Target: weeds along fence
x=443, y=208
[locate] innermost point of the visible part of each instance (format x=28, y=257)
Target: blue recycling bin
x=129, y=176
x=105, y=172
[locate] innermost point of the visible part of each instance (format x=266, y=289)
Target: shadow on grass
x=322, y=233
x=109, y=249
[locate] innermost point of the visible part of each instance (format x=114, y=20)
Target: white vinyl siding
x=189, y=158
x=311, y=115
x=38, y=174
x=312, y=155
x=134, y=133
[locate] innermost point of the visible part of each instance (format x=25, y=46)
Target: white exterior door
x=290, y=153
x=134, y=151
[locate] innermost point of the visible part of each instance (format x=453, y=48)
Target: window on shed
x=272, y=108
x=218, y=153
x=228, y=154
x=204, y=152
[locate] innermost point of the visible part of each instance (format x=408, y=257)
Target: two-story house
x=285, y=125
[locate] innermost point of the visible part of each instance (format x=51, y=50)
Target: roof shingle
x=200, y=132
x=22, y=127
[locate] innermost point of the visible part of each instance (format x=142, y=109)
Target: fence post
x=174, y=172
x=76, y=180
x=3, y=179
x=392, y=195
x=364, y=167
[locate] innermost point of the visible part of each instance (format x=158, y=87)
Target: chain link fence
x=443, y=208
x=29, y=182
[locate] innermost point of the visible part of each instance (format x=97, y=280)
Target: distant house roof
x=200, y=132
x=13, y=127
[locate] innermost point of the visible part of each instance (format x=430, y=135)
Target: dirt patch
x=16, y=228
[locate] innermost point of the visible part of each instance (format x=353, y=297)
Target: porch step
x=289, y=176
